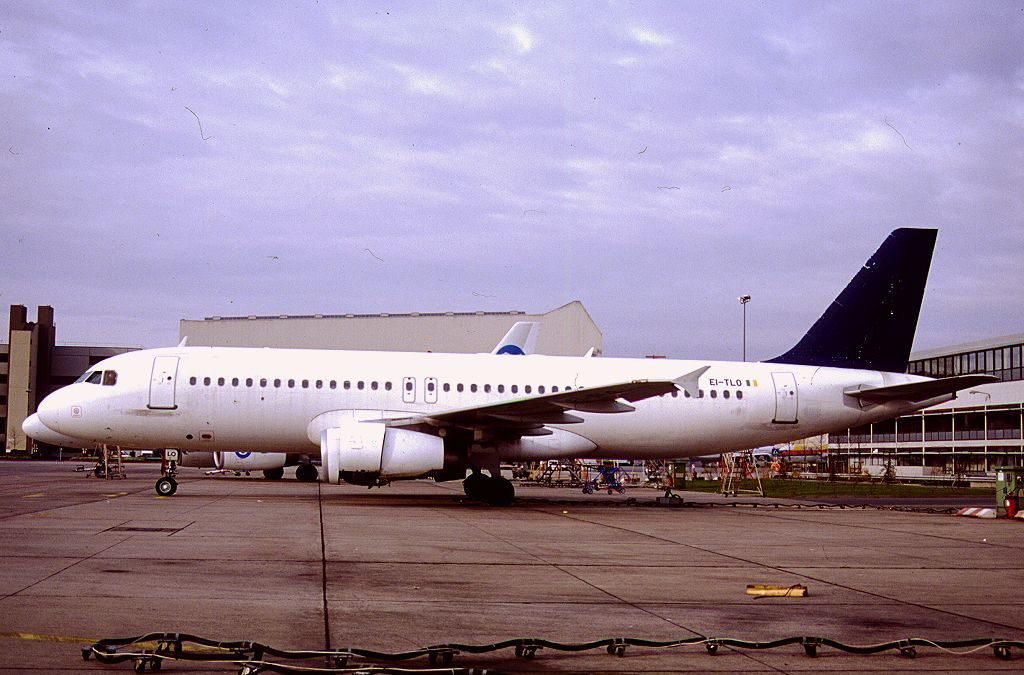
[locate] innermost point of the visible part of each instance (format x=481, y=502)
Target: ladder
x=735, y=467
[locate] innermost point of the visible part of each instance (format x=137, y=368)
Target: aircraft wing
x=527, y=416
x=920, y=391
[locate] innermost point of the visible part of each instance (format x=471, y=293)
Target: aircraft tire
x=166, y=486
x=500, y=492
x=306, y=473
x=274, y=474
x=476, y=486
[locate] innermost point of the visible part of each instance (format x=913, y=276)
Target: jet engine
x=366, y=453
x=249, y=461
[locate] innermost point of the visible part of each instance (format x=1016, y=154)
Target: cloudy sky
x=168, y=160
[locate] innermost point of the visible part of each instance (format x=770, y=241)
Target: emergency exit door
x=785, y=398
x=161, y=382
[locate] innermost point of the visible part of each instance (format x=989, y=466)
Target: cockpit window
x=109, y=378
x=95, y=377
x=85, y=376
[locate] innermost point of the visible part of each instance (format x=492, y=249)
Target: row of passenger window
x=360, y=384
x=409, y=386
x=291, y=384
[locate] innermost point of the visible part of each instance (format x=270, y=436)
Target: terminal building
x=970, y=435
x=32, y=365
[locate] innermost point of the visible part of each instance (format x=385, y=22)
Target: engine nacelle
x=365, y=452
x=249, y=461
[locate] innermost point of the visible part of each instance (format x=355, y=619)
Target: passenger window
x=739, y=394
x=373, y=385
x=528, y=389
x=334, y=384
x=234, y=381
x=248, y=381
x=714, y=393
x=95, y=378
x=408, y=385
x=686, y=393
x=472, y=388
x=447, y=386
x=347, y=385
x=109, y=378
x=554, y=390
x=459, y=387
x=206, y=381
x=192, y=380
x=305, y=384
x=319, y=384
x=725, y=394
x=700, y=393
x=514, y=388
x=487, y=388
x=675, y=393
x=501, y=389
x=277, y=381
x=360, y=385
x=263, y=381
x=220, y=381
x=540, y=389
x=291, y=384
x=430, y=386
x=387, y=386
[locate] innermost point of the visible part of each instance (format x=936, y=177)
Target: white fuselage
x=266, y=400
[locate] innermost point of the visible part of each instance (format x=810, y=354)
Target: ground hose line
x=152, y=649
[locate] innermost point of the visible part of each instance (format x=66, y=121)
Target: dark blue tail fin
x=871, y=324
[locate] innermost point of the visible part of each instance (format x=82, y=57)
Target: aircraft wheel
x=274, y=474
x=476, y=486
x=306, y=473
x=500, y=492
x=166, y=486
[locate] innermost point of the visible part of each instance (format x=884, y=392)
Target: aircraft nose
x=47, y=414
x=34, y=427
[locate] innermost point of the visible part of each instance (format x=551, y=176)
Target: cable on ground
x=151, y=650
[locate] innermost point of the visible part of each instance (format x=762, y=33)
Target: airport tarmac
x=308, y=566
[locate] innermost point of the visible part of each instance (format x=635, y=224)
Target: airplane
x=521, y=339
x=375, y=417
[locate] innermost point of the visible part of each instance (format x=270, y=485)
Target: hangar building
x=564, y=331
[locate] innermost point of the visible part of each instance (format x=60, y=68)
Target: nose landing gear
x=166, y=485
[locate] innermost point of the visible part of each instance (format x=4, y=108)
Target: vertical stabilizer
x=871, y=324
x=520, y=339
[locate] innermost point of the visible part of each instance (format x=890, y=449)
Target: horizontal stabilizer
x=921, y=391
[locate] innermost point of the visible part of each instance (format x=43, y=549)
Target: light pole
x=744, y=299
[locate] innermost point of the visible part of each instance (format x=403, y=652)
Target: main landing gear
x=493, y=490
x=306, y=473
x=166, y=485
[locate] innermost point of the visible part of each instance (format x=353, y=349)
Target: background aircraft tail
x=520, y=339
x=871, y=324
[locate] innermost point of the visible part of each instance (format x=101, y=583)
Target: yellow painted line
x=117, y=494
x=33, y=496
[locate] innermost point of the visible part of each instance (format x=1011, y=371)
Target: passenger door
x=162, y=381
x=785, y=398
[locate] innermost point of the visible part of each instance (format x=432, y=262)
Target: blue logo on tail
x=511, y=349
